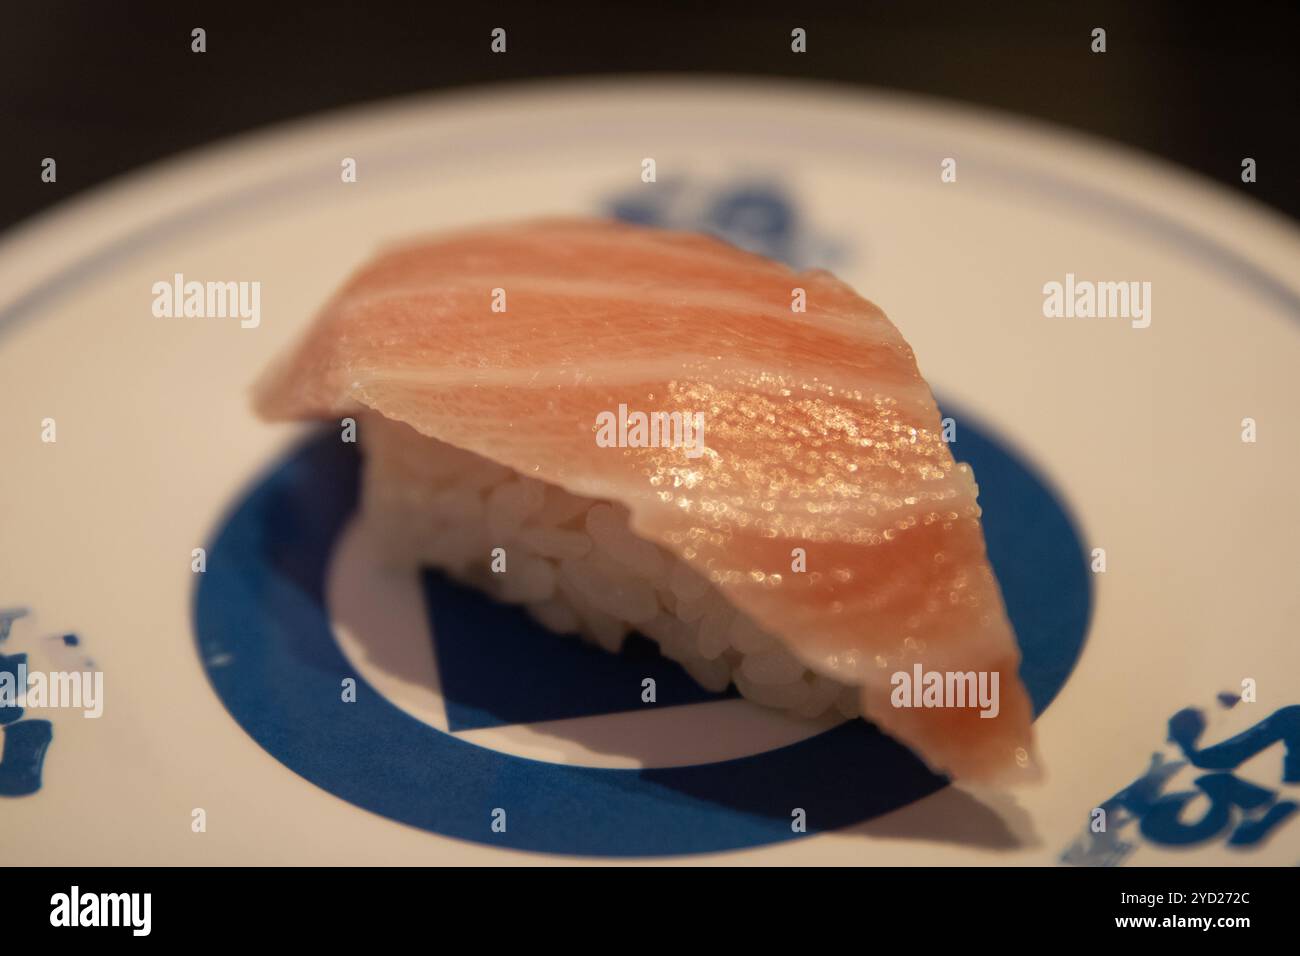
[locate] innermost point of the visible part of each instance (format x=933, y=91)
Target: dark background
x=106, y=86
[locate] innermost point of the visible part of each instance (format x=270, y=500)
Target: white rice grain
x=510, y=503
x=712, y=637
x=555, y=615
x=557, y=543
x=610, y=533
x=774, y=666
x=746, y=636
x=574, y=564
x=527, y=579
x=781, y=696
x=621, y=597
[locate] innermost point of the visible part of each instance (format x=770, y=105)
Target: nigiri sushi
x=623, y=428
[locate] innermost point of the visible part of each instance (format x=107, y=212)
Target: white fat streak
x=886, y=516
x=606, y=372
x=859, y=326
x=665, y=244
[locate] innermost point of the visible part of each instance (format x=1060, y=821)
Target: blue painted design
x=9, y=666
x=71, y=640
x=758, y=215
x=1282, y=726
x=1162, y=822
x=7, y=618
x=23, y=759
x=25, y=741
x=260, y=611
x=1229, y=700
x=1244, y=813
x=1250, y=832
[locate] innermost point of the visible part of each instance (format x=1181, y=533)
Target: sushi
x=629, y=429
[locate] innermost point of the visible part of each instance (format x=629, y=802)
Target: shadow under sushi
x=506, y=683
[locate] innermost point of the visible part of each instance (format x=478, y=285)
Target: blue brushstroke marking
x=7, y=618
x=1243, y=813
x=71, y=640
x=10, y=712
x=1162, y=822
x=1282, y=726
x=757, y=215
x=261, y=611
x=23, y=758
x=1229, y=700
x=25, y=741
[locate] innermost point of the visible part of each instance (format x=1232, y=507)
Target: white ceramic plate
x=1129, y=438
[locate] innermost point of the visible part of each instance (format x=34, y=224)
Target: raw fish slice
x=820, y=434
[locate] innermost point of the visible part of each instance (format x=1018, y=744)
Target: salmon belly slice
x=820, y=506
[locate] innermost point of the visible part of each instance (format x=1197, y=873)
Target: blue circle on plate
x=265, y=639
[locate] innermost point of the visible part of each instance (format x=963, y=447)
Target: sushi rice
x=573, y=563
